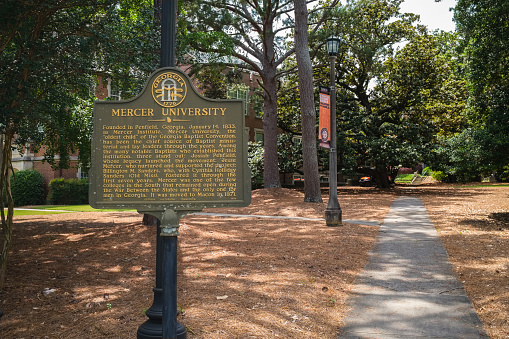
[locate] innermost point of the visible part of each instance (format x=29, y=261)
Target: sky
x=435, y=15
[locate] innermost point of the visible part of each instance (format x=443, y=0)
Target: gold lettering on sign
x=170, y=162
x=193, y=112
x=130, y=112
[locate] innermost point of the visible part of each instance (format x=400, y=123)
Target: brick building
x=34, y=161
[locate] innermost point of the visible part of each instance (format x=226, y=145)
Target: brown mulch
x=473, y=224
x=90, y=275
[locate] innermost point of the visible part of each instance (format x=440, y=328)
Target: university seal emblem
x=169, y=89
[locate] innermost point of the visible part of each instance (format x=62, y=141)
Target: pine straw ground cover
x=473, y=224
x=90, y=275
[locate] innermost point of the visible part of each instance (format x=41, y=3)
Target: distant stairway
x=418, y=180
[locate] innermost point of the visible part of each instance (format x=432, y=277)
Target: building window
x=239, y=92
x=81, y=174
x=257, y=105
x=115, y=95
x=259, y=136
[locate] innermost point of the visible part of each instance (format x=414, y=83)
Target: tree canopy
x=52, y=55
x=485, y=32
x=388, y=94
x=253, y=33
x=481, y=147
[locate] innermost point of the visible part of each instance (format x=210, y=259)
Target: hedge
x=27, y=188
x=68, y=191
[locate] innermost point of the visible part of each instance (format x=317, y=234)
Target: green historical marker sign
x=169, y=148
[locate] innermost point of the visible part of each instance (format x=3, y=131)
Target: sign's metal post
x=170, y=222
x=163, y=313
x=169, y=286
x=164, y=307
x=153, y=327
x=169, y=233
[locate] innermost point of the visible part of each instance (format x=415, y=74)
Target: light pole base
x=333, y=217
x=153, y=329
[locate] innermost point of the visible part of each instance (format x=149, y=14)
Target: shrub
x=439, y=175
x=68, y=191
x=406, y=170
x=502, y=174
x=289, y=153
x=463, y=157
x=27, y=188
x=255, y=161
x=426, y=172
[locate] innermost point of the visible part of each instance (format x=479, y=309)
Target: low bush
x=27, y=188
x=68, y=191
x=426, y=172
x=439, y=175
x=255, y=161
x=502, y=174
x=406, y=170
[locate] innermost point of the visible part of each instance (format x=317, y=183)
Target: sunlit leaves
x=484, y=28
x=397, y=86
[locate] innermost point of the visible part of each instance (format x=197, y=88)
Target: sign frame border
x=155, y=205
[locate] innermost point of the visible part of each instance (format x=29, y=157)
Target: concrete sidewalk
x=408, y=288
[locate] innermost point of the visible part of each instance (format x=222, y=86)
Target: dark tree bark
x=308, y=115
x=271, y=168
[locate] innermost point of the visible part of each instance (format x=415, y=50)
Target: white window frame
x=239, y=92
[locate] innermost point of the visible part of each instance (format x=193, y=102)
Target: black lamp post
x=333, y=211
x=162, y=314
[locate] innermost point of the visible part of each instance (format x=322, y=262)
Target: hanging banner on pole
x=324, y=126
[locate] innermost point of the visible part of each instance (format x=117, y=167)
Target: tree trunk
x=6, y=236
x=312, y=191
x=393, y=172
x=384, y=178
x=381, y=177
x=270, y=161
x=379, y=174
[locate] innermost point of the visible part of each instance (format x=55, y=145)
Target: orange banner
x=324, y=119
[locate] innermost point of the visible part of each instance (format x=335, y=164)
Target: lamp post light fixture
x=333, y=211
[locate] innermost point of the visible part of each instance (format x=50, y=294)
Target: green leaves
x=369, y=30
x=398, y=87
x=27, y=188
x=483, y=24
x=256, y=161
x=485, y=46
x=51, y=54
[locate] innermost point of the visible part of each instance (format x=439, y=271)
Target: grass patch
x=24, y=212
x=77, y=208
x=404, y=178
